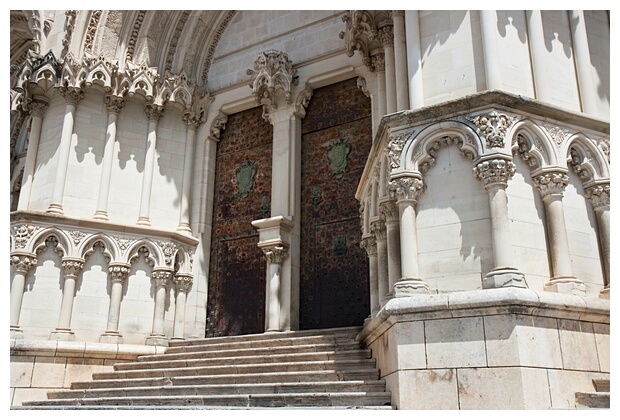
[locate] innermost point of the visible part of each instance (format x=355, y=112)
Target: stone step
x=350, y=332
x=250, y=378
x=230, y=389
x=265, y=345
x=318, y=399
x=349, y=355
x=601, y=385
x=333, y=365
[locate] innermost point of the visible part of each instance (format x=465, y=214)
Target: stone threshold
x=509, y=300
x=91, y=350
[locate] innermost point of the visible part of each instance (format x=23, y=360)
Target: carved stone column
x=21, y=262
x=585, y=79
x=182, y=284
x=386, y=36
x=37, y=111
x=488, y=26
x=71, y=267
x=378, y=63
x=369, y=243
x=275, y=256
x=495, y=173
x=414, y=60
x=406, y=188
x=114, y=104
x=192, y=121
x=551, y=185
x=599, y=196
x=389, y=211
x=538, y=52
x=118, y=274
x=154, y=113
x=161, y=277
x=72, y=97
x=378, y=230
x=400, y=60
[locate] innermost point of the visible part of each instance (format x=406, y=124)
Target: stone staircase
x=317, y=368
x=598, y=399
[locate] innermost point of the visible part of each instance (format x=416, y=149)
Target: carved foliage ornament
x=389, y=211
x=182, y=282
x=273, y=71
x=168, y=249
x=23, y=263
x=551, y=183
x=493, y=127
x=494, y=170
x=337, y=153
x=72, y=267
x=406, y=188
x=245, y=178
x=599, y=195
x=394, y=149
x=161, y=277
x=370, y=245
x=276, y=254
x=22, y=234
x=118, y=272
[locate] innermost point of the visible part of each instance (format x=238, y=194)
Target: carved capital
x=551, y=183
x=378, y=230
x=599, y=195
x=154, y=112
x=22, y=263
x=72, y=95
x=378, y=62
x=192, y=119
x=386, y=35
x=118, y=272
x=369, y=244
x=72, y=266
x=161, y=277
x=389, y=211
x=406, y=188
x=37, y=108
x=114, y=103
x=493, y=127
x=182, y=282
x=272, y=72
x=494, y=171
x=275, y=254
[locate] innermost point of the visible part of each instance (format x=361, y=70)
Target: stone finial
x=273, y=72
x=276, y=254
x=495, y=171
x=599, y=195
x=406, y=188
x=493, y=127
x=551, y=183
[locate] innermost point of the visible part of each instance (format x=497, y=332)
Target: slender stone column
x=154, y=113
x=192, y=121
x=22, y=263
x=488, y=26
x=118, y=274
x=369, y=243
x=495, y=173
x=275, y=256
x=182, y=284
x=161, y=278
x=72, y=97
x=599, y=196
x=37, y=111
x=538, y=53
x=386, y=35
x=414, y=60
x=378, y=62
x=389, y=212
x=71, y=268
x=406, y=188
x=587, y=89
x=378, y=230
x=551, y=186
x=114, y=104
x=400, y=60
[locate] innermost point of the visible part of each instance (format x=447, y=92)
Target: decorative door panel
x=336, y=140
x=236, y=293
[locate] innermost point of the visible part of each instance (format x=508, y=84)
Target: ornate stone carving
x=244, y=175
x=213, y=44
x=551, y=183
x=77, y=236
x=175, y=39
x=168, y=249
x=37, y=108
x=337, y=153
x=302, y=102
x=72, y=95
x=22, y=263
x=406, y=188
x=69, y=26
x=386, y=35
x=72, y=266
x=389, y=211
x=272, y=72
x=378, y=229
x=161, y=277
x=22, y=234
x=599, y=195
x=119, y=272
x=378, y=62
x=123, y=243
x=524, y=149
x=577, y=161
x=182, y=282
x=394, y=149
x=114, y=103
x=219, y=124
x=493, y=127
x=154, y=112
x=369, y=244
x=361, y=84
x=603, y=145
x=131, y=44
x=362, y=33
x=276, y=254
x=92, y=30
x=557, y=134
x=494, y=170
x=192, y=119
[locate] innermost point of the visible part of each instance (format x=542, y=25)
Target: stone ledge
x=508, y=300
x=91, y=350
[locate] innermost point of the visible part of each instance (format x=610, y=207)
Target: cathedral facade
x=439, y=178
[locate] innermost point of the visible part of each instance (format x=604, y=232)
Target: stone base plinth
x=410, y=287
x=157, y=340
x=566, y=285
x=504, y=277
x=605, y=293
x=62, y=335
x=111, y=337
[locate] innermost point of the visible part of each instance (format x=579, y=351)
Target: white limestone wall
x=303, y=35
x=454, y=230
x=597, y=24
